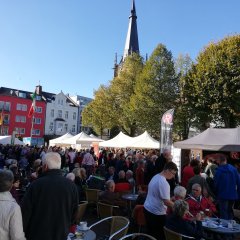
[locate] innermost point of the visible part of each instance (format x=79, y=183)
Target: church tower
x=131, y=44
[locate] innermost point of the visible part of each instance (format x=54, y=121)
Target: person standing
x=227, y=186
x=157, y=201
x=50, y=203
x=11, y=227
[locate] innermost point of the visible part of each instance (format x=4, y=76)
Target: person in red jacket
x=200, y=204
x=188, y=173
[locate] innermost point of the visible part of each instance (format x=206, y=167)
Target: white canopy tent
x=57, y=141
x=144, y=141
x=7, y=140
x=95, y=138
x=81, y=138
x=120, y=141
x=215, y=139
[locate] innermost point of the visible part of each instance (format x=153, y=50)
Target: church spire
x=131, y=44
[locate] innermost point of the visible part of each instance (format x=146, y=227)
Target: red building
x=14, y=107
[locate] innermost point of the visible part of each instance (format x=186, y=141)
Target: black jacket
x=49, y=207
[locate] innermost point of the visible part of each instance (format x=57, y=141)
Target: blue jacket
x=227, y=182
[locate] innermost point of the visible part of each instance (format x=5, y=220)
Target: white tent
x=81, y=138
x=7, y=140
x=57, y=141
x=120, y=141
x=95, y=138
x=215, y=139
x=144, y=141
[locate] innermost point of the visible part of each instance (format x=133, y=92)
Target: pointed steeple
x=131, y=44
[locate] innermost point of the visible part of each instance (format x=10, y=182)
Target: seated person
x=178, y=223
x=111, y=174
x=198, y=203
x=179, y=192
x=109, y=196
x=122, y=185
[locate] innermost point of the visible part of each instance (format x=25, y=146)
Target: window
x=21, y=107
x=6, y=119
x=37, y=120
x=22, y=95
x=20, y=130
x=66, y=127
x=74, y=116
x=38, y=98
x=5, y=130
x=60, y=127
x=52, y=112
x=39, y=109
x=61, y=102
x=73, y=128
x=51, y=126
x=66, y=114
x=35, y=132
x=20, y=119
x=60, y=113
x=5, y=105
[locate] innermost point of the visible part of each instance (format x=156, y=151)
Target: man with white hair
x=50, y=203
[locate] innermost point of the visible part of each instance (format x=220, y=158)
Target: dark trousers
x=155, y=224
x=226, y=209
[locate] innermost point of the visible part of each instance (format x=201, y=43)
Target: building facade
x=14, y=108
x=62, y=115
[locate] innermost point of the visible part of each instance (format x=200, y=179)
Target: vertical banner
x=166, y=130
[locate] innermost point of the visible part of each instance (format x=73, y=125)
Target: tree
x=121, y=90
x=213, y=84
x=96, y=114
x=156, y=90
x=184, y=114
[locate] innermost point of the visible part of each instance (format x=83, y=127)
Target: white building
x=61, y=115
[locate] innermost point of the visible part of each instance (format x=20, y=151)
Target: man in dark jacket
x=227, y=187
x=50, y=204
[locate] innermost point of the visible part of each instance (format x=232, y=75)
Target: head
x=221, y=159
x=83, y=174
x=110, y=185
x=197, y=170
x=76, y=172
x=180, y=208
x=111, y=170
x=167, y=153
x=121, y=174
x=52, y=161
x=170, y=169
x=180, y=192
x=129, y=174
x=196, y=190
x=37, y=163
x=6, y=180
x=70, y=176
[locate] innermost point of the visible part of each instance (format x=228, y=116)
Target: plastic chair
x=133, y=235
x=118, y=227
x=81, y=211
x=106, y=210
x=139, y=217
x=171, y=235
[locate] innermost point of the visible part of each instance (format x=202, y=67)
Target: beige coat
x=11, y=227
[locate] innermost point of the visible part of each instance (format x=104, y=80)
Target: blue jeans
x=225, y=207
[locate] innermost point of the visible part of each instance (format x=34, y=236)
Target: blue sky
x=69, y=45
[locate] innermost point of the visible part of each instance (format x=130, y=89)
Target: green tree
x=96, y=114
x=156, y=90
x=213, y=84
x=121, y=90
x=184, y=113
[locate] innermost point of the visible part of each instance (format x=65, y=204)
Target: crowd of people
x=40, y=189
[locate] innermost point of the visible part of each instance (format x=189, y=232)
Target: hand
x=198, y=217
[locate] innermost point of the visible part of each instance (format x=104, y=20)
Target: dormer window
x=22, y=95
x=38, y=98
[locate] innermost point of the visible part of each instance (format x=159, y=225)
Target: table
x=88, y=235
x=130, y=197
x=220, y=229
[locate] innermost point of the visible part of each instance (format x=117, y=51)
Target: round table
x=88, y=235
